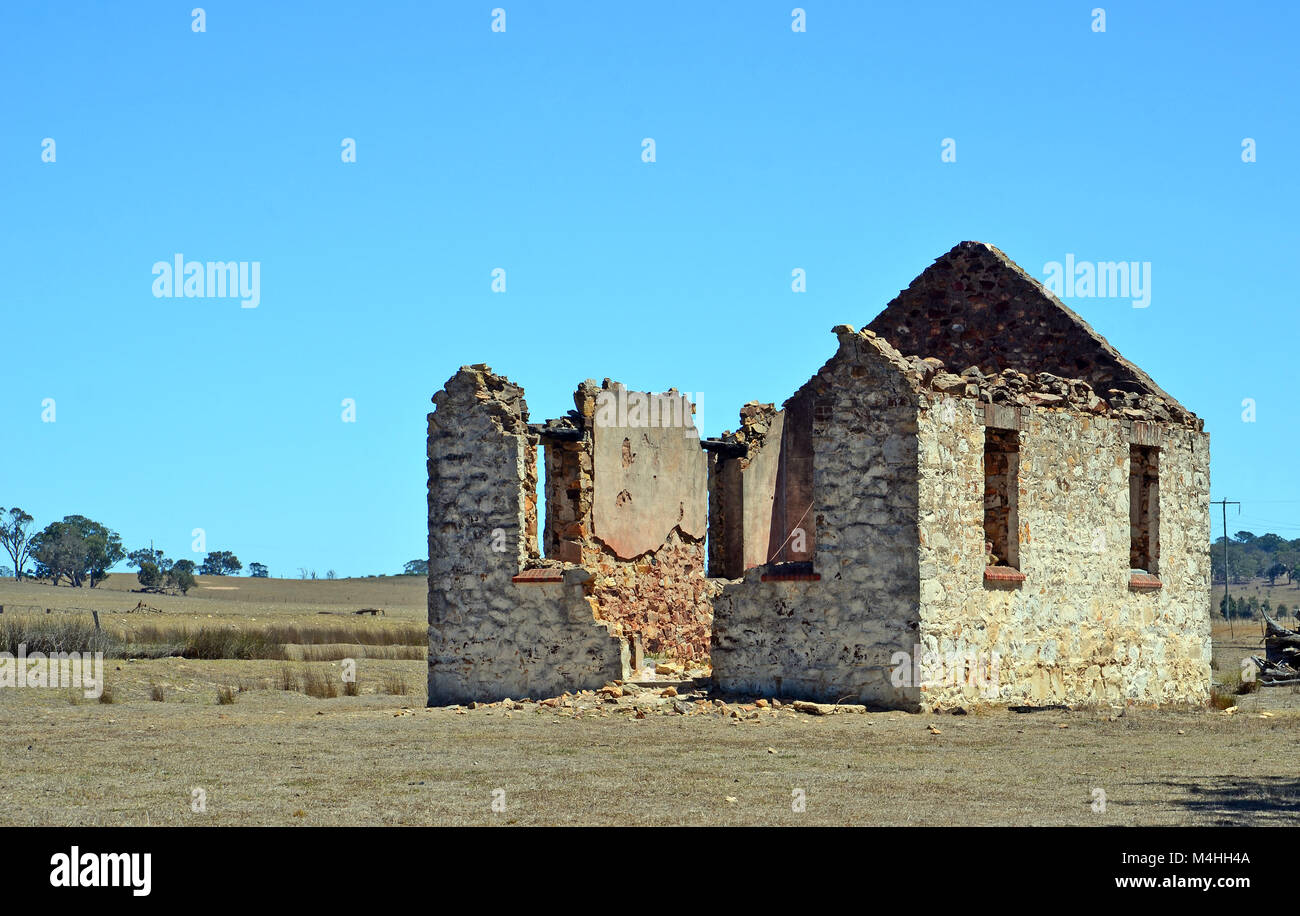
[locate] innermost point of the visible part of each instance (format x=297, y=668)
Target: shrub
x=149, y=575
x=319, y=685
x=288, y=679
x=395, y=684
x=211, y=643
x=156, y=693
x=52, y=634
x=1220, y=699
x=225, y=695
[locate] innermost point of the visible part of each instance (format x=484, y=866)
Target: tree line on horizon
x=81, y=551
x=1266, y=556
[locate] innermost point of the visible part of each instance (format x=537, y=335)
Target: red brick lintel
x=1144, y=581
x=538, y=576
x=1003, y=574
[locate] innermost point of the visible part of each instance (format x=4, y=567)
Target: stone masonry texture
x=490, y=637
x=975, y=501
x=630, y=506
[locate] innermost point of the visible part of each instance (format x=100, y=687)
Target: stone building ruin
x=976, y=500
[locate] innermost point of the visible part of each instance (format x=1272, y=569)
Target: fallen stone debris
x=640, y=701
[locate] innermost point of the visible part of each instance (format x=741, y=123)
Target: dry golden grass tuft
x=318, y=684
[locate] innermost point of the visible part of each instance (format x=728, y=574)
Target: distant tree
x=220, y=563
x=416, y=568
x=137, y=558
x=181, y=576
x=302, y=572
x=16, y=538
x=150, y=575
x=1270, y=543
x=1289, y=560
x=313, y=574
x=329, y=574
x=257, y=571
x=59, y=554
x=156, y=570
x=77, y=549
x=5, y=571
x=1277, y=569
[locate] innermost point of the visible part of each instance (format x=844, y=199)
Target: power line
x=1227, y=605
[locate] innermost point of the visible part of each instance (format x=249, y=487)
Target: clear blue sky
x=522, y=150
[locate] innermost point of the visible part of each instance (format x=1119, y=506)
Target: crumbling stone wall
x=830, y=633
x=1093, y=489
x=627, y=501
x=1076, y=629
x=745, y=504
x=976, y=307
x=489, y=636
x=760, y=495
x=905, y=610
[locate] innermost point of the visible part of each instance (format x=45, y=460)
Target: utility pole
x=1227, y=608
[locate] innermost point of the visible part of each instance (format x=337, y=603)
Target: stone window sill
x=1144, y=582
x=1003, y=575
x=538, y=576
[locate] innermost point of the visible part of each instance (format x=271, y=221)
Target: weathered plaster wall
x=761, y=496
x=1074, y=631
x=760, y=526
x=627, y=500
x=489, y=637
x=792, y=534
x=834, y=638
x=648, y=480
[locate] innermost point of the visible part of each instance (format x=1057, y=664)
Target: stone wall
x=1075, y=630
x=760, y=491
x=627, y=500
x=1015, y=514
x=898, y=609
x=976, y=307
x=490, y=637
x=832, y=633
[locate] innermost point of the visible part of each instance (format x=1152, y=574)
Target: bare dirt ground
x=277, y=756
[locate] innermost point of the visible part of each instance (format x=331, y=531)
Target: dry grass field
x=276, y=754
